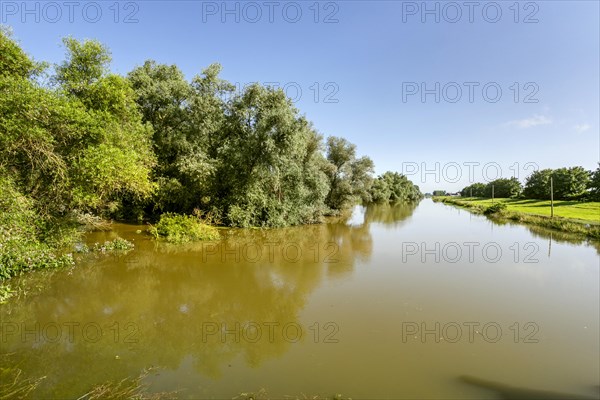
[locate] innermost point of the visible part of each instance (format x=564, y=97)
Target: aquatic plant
x=175, y=228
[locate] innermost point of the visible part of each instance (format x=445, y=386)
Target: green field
x=588, y=212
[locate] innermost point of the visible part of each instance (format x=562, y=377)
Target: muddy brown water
x=424, y=301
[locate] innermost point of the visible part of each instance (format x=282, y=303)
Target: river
x=425, y=301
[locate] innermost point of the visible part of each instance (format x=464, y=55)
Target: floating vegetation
x=118, y=244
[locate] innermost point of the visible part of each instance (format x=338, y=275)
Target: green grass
x=581, y=218
x=588, y=212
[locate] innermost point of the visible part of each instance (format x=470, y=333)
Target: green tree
x=114, y=160
x=537, y=185
x=86, y=62
x=393, y=187
x=570, y=183
x=594, y=184
x=13, y=60
x=567, y=183
x=474, y=190
x=350, y=179
x=186, y=119
x=380, y=191
x=504, y=188
x=267, y=164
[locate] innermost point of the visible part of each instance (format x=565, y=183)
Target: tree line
x=575, y=183
x=77, y=139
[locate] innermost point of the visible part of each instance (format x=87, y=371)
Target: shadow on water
x=507, y=392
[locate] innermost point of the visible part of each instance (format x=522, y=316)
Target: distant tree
x=594, y=185
x=475, y=190
x=439, y=193
x=537, y=185
x=393, y=187
x=567, y=183
x=504, y=188
x=570, y=182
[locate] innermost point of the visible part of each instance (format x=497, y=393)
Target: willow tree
x=269, y=165
x=185, y=117
x=350, y=178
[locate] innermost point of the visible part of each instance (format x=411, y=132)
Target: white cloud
x=582, y=128
x=530, y=122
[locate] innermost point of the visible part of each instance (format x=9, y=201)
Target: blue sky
x=358, y=69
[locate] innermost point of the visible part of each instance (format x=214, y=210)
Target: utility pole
x=471, y=192
x=492, y=194
x=551, y=198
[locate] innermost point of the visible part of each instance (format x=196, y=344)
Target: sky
x=448, y=93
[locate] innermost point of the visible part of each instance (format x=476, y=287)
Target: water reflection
x=390, y=214
x=161, y=304
x=223, y=317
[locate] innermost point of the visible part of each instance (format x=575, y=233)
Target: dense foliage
x=568, y=183
x=80, y=140
x=76, y=145
x=393, y=187
x=594, y=185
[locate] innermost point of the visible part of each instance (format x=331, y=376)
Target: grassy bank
x=581, y=218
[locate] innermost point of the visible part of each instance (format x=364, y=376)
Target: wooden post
x=551, y=198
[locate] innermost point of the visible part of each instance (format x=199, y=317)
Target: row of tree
x=574, y=183
x=83, y=138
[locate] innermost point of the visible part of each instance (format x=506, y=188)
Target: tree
x=86, y=62
x=567, y=183
x=114, y=159
x=570, y=183
x=247, y=157
x=537, y=185
x=268, y=162
x=380, y=191
x=503, y=188
x=350, y=178
x=13, y=62
x=186, y=119
x=594, y=184
x=392, y=187
x=80, y=146
x=474, y=190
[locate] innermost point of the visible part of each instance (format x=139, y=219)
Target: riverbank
x=582, y=218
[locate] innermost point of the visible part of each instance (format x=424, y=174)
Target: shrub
x=22, y=231
x=495, y=208
x=175, y=228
